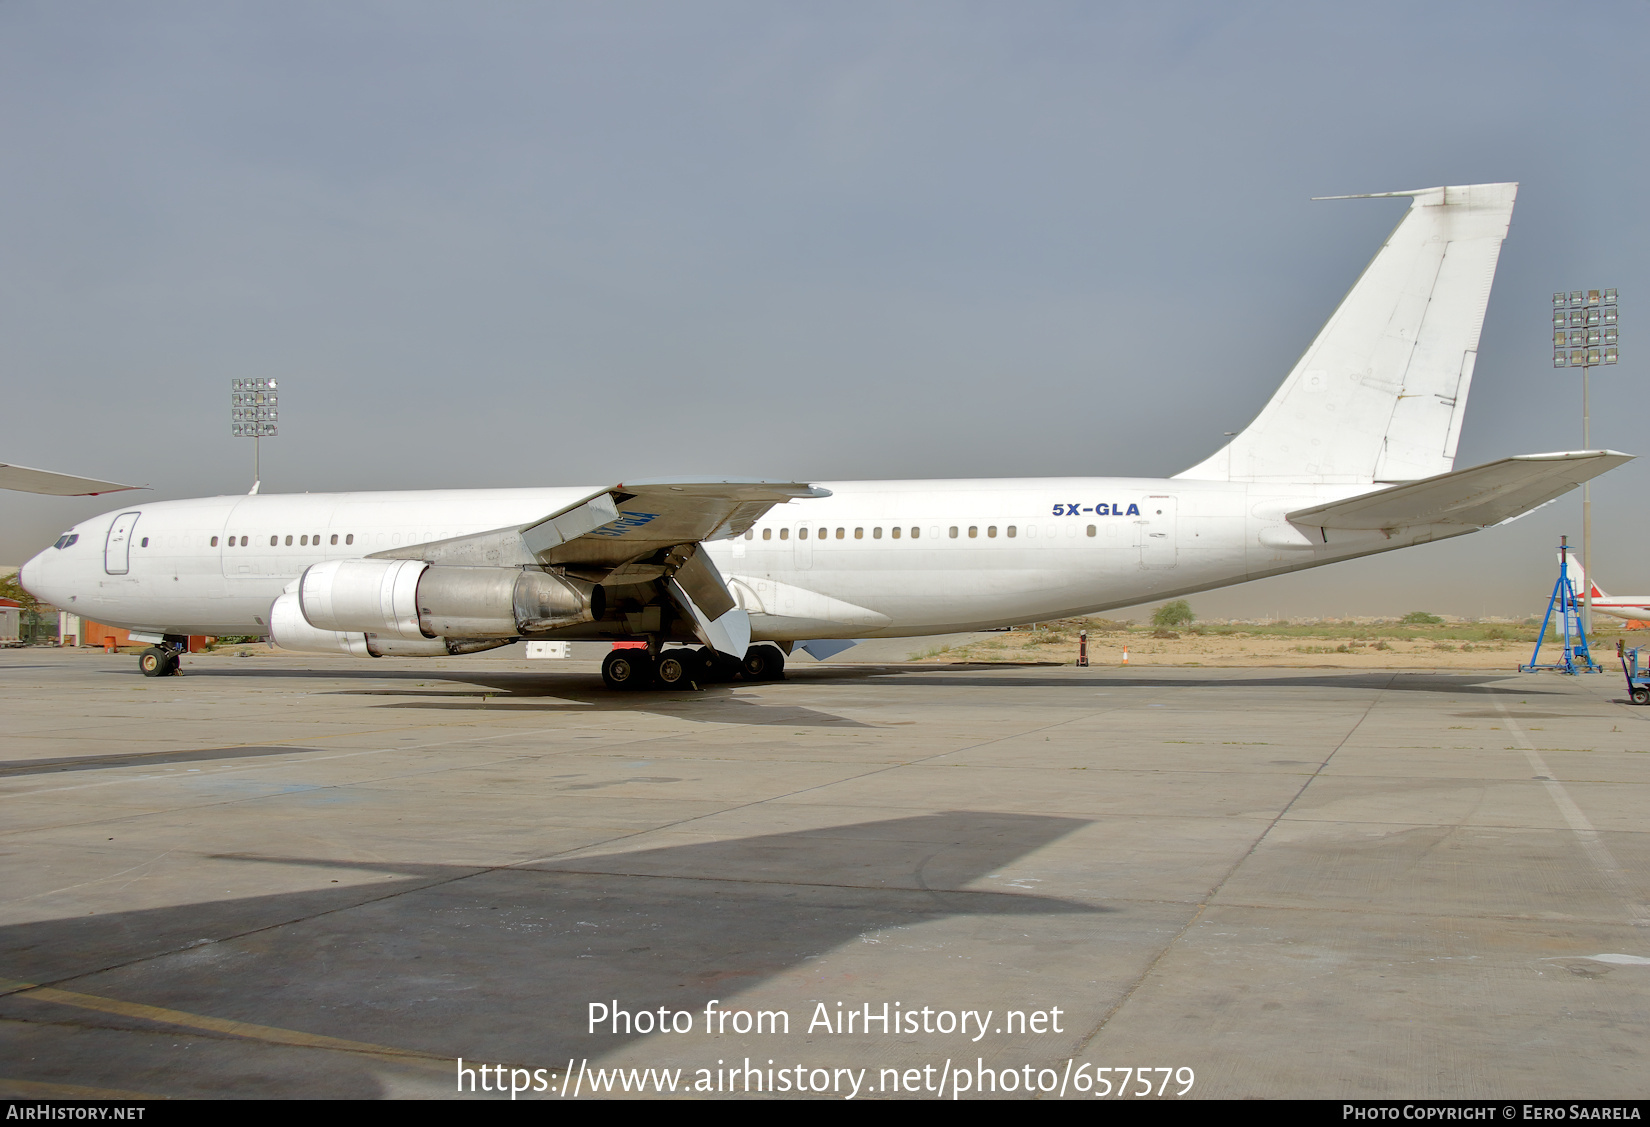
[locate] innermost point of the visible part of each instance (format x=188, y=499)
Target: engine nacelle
x=289, y=630
x=410, y=601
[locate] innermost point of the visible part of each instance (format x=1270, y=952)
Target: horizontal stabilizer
x=1476, y=497
x=25, y=480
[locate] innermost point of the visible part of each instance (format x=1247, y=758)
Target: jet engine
x=412, y=601
x=289, y=630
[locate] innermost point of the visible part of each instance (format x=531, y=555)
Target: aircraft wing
x=621, y=525
x=25, y=480
x=636, y=533
x=1476, y=497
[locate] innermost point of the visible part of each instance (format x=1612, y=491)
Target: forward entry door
x=117, y=549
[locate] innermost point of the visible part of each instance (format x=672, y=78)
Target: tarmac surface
x=285, y=876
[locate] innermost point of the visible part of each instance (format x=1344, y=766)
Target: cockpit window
x=66, y=539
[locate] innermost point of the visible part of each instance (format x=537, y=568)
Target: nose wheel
x=158, y=662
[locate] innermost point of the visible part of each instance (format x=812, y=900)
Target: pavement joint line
x=1587, y=836
x=307, y=759
x=269, y=1034
x=1202, y=904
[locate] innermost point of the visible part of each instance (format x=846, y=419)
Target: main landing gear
x=675, y=668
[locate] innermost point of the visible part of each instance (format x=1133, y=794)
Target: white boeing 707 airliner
x=1353, y=455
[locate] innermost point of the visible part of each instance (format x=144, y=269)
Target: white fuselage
x=874, y=559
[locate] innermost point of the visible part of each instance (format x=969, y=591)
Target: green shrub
x=1177, y=612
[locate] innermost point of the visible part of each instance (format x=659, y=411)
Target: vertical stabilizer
x=1379, y=395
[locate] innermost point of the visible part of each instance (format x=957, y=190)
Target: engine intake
x=411, y=601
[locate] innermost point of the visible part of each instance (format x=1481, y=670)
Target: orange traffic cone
x=1125, y=655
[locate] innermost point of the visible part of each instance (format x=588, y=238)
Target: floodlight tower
x=1584, y=336
x=253, y=414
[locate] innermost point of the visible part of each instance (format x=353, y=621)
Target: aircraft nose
x=32, y=574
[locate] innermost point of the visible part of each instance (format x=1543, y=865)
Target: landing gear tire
x=708, y=667
x=156, y=662
x=671, y=670
x=627, y=669
x=763, y=663
x=1641, y=696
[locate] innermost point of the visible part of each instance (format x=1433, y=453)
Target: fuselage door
x=117, y=549
x=1157, y=532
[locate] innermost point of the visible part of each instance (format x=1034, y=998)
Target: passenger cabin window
x=289, y=541
x=915, y=532
x=1091, y=530
x=784, y=534
x=894, y=532
x=841, y=533
x=750, y=534
x=876, y=534
x=350, y=539
x=243, y=541
x=859, y=534
x=973, y=531
x=214, y=541
x=953, y=532
x=334, y=538
x=767, y=534
x=802, y=533
x=303, y=541
x=991, y=530
x=1011, y=530
x=273, y=540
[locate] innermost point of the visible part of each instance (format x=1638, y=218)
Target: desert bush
x=1177, y=612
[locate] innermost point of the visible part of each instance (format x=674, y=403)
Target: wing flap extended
x=1477, y=497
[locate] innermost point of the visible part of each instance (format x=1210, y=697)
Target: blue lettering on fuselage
x=1102, y=509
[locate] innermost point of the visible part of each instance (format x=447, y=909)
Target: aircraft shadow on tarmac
x=508, y=690
x=500, y=964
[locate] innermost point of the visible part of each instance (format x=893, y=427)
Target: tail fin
x=1379, y=395
x=1578, y=578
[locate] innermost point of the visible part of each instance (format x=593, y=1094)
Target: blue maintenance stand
x=1578, y=658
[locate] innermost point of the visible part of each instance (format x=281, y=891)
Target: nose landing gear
x=159, y=661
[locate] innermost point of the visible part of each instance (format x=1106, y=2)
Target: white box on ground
x=549, y=649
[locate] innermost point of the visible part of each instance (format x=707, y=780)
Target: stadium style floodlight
x=1585, y=335
x=254, y=413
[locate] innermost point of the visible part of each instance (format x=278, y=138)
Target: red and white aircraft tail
x=1617, y=606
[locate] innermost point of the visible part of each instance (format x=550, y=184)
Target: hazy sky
x=539, y=243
